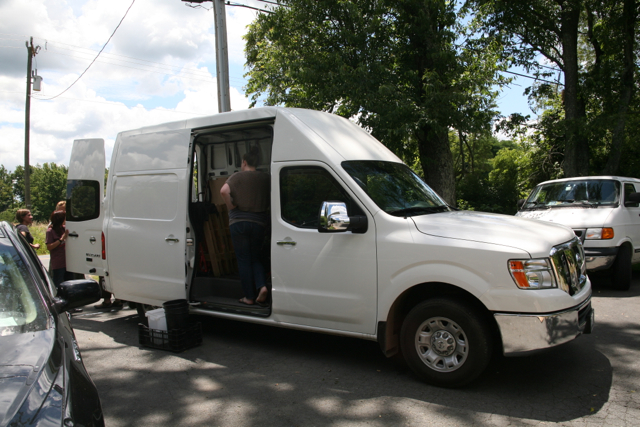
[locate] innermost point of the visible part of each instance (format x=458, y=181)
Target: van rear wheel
x=446, y=343
x=621, y=269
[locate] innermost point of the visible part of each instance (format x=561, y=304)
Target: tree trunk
x=613, y=163
x=576, y=154
x=437, y=162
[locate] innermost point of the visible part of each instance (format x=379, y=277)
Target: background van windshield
x=571, y=193
x=395, y=188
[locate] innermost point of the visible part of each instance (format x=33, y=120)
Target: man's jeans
x=247, y=240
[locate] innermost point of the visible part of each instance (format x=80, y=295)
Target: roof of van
x=333, y=137
x=583, y=178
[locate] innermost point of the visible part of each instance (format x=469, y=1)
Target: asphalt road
x=250, y=375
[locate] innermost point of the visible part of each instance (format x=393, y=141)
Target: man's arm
x=225, y=192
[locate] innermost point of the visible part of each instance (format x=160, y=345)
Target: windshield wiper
x=418, y=210
x=536, y=205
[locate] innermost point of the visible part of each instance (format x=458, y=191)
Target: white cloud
x=159, y=67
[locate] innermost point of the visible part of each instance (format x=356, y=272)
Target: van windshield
x=582, y=193
x=395, y=188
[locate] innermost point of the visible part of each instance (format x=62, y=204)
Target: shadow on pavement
x=271, y=376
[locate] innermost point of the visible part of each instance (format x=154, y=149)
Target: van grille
x=570, y=266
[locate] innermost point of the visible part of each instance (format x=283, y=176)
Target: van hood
x=572, y=217
x=534, y=237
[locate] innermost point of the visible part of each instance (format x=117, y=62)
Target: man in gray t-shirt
x=247, y=196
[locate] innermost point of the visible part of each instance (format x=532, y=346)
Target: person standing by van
x=247, y=195
x=56, y=240
x=25, y=219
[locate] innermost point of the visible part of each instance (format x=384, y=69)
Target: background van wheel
x=446, y=343
x=142, y=310
x=621, y=269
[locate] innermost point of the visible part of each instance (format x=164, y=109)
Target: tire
x=142, y=310
x=621, y=269
x=446, y=343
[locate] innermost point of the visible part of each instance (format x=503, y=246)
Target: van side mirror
x=333, y=218
x=632, y=200
x=520, y=203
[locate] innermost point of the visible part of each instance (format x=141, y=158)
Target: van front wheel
x=446, y=343
x=621, y=269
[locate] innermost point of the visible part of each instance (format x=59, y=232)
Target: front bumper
x=600, y=258
x=523, y=333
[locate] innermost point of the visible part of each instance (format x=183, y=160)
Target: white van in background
x=603, y=211
x=358, y=244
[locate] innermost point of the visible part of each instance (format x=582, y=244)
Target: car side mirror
x=333, y=218
x=520, y=203
x=632, y=200
x=76, y=293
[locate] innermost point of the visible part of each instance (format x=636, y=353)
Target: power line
x=534, y=78
x=94, y=60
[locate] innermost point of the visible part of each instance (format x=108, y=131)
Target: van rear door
x=85, y=191
x=146, y=224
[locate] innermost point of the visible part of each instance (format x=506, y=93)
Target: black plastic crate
x=175, y=340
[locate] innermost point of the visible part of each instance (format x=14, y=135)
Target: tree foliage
x=392, y=65
x=593, y=43
x=48, y=187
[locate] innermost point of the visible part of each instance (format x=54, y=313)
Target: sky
x=158, y=67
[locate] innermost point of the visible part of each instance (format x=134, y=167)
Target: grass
x=38, y=231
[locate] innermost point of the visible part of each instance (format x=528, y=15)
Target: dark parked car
x=43, y=381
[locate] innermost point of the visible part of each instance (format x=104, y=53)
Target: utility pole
x=222, y=52
x=31, y=51
x=222, y=55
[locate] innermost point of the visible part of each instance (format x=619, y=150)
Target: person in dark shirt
x=25, y=219
x=56, y=240
x=247, y=195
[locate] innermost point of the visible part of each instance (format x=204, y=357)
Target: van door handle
x=171, y=239
x=73, y=234
x=92, y=239
x=286, y=242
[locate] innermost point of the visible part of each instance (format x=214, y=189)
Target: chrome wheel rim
x=441, y=344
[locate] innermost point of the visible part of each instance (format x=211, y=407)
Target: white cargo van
x=358, y=244
x=604, y=213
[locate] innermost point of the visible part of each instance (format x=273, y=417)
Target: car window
x=36, y=266
x=628, y=189
x=302, y=191
x=21, y=307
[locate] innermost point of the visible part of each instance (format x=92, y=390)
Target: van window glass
x=628, y=189
x=395, y=188
x=83, y=200
x=575, y=193
x=302, y=191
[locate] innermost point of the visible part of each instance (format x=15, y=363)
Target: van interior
x=217, y=155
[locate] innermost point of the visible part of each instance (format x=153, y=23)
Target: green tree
x=550, y=28
x=6, y=189
x=593, y=43
x=18, y=183
x=48, y=187
x=393, y=65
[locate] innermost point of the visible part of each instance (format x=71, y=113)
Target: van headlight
x=532, y=273
x=604, y=233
